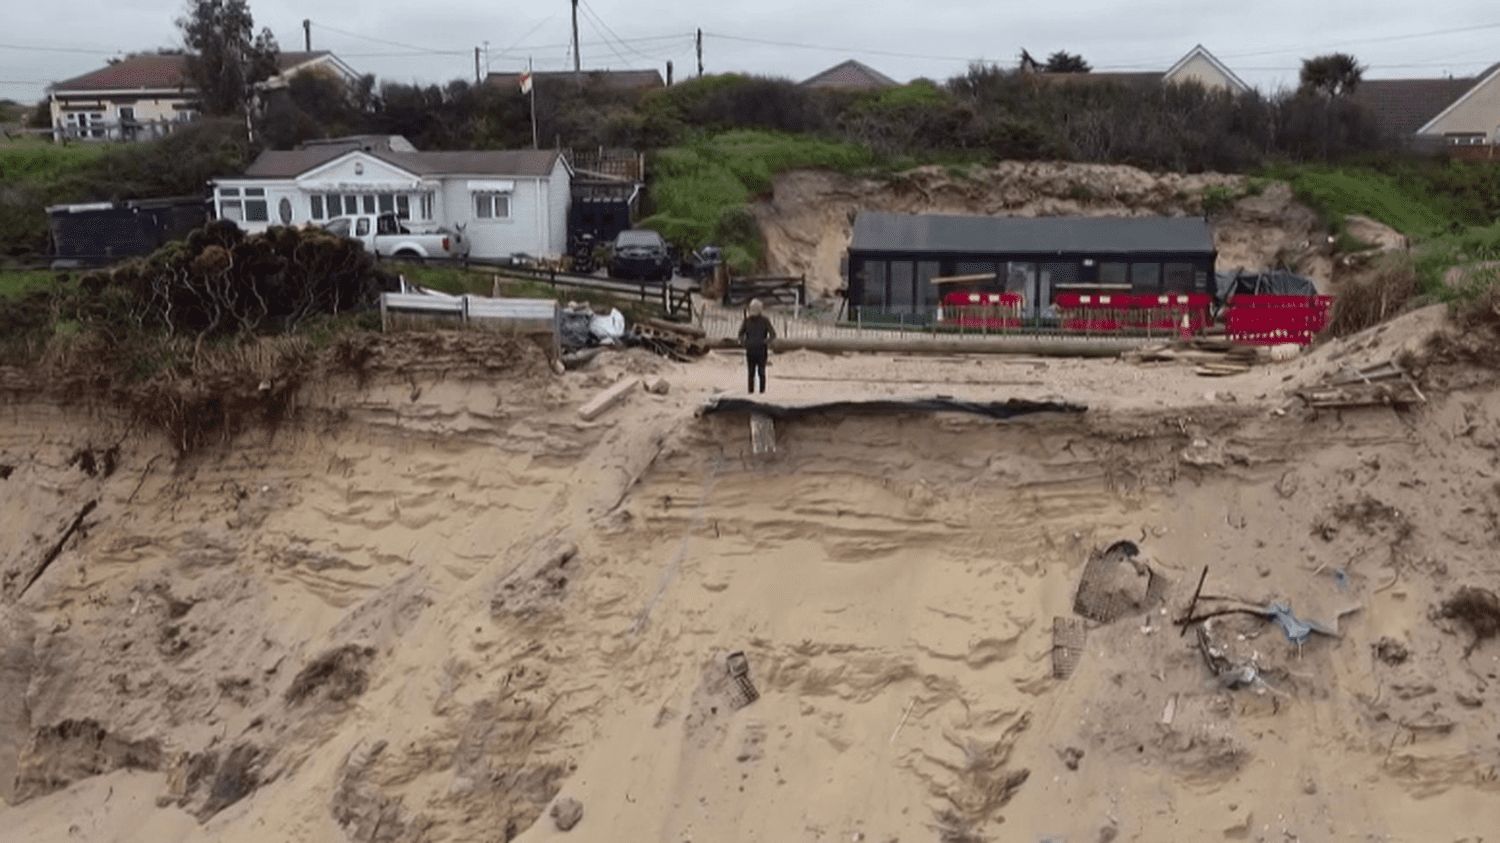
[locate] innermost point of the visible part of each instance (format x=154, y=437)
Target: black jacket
x=756, y=332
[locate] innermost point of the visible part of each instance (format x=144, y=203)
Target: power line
x=388, y=43
x=78, y=50
x=1374, y=40
x=830, y=49
x=600, y=21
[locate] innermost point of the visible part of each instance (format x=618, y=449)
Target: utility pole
x=700, y=52
x=307, y=34
x=476, y=66
x=669, y=74
x=577, y=59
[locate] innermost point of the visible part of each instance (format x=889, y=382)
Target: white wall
x=149, y=109
x=532, y=227
x=1199, y=69
x=1479, y=113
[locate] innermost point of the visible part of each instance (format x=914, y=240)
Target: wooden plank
x=762, y=434
x=597, y=405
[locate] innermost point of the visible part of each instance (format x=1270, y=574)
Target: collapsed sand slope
x=809, y=217
x=434, y=602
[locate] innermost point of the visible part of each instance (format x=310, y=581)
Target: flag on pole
x=526, y=82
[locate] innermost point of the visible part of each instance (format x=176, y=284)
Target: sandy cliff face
x=432, y=602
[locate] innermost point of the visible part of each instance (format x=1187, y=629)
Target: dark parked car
x=640, y=254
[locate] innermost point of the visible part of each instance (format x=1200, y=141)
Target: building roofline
x=1494, y=72
x=1200, y=50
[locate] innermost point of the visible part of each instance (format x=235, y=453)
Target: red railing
x=1184, y=313
x=981, y=311
x=1272, y=320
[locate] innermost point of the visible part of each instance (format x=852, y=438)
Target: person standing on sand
x=756, y=335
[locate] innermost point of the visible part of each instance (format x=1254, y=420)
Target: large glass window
x=403, y=207
x=1114, y=272
x=1050, y=277
x=874, y=284
x=903, y=292
x=255, y=205
x=230, y=205
x=369, y=201
x=1177, y=278
x=1145, y=277
x=426, y=206
x=317, y=206
x=929, y=295
x=387, y=203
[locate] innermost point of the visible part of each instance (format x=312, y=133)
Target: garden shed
x=894, y=259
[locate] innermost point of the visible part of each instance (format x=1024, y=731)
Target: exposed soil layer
x=431, y=604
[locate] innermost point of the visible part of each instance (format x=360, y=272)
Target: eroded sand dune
x=433, y=602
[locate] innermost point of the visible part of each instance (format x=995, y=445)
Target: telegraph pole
x=307, y=34
x=577, y=59
x=476, y=65
x=700, y=52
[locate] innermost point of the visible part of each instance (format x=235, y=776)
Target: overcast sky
x=41, y=42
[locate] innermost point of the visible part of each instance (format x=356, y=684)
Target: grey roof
x=935, y=234
x=1402, y=106
x=850, y=75
x=290, y=163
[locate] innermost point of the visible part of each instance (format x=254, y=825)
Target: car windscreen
x=339, y=227
x=638, y=239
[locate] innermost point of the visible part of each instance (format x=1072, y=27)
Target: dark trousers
x=755, y=362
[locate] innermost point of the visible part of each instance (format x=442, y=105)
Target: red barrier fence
x=1185, y=313
x=1272, y=320
x=981, y=311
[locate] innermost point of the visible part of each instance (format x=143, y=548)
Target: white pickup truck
x=385, y=235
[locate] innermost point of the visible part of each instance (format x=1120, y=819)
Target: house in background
x=507, y=202
x=148, y=95
x=1198, y=66
x=1445, y=112
x=850, y=76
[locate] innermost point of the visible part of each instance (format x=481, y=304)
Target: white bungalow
x=507, y=202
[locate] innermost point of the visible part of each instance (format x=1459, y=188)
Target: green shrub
x=701, y=191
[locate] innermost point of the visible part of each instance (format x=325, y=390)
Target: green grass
x=44, y=163
x=702, y=191
x=1335, y=193
x=15, y=283
x=1447, y=209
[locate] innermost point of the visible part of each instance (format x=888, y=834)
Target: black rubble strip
x=993, y=409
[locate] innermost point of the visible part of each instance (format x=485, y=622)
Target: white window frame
x=487, y=207
x=316, y=203
x=257, y=208
x=231, y=205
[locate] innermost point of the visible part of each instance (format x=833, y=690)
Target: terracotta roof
x=614, y=80
x=852, y=76
x=1402, y=106
x=290, y=163
x=156, y=72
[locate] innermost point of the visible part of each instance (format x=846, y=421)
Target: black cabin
x=893, y=259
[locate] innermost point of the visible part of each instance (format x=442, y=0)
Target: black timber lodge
x=894, y=259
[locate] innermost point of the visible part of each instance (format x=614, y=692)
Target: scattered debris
x=905, y=715
x=1169, y=712
x=739, y=671
x=656, y=385
x=1476, y=608
x=1070, y=756
x=672, y=340
x=338, y=675
x=1390, y=651
x=1384, y=384
x=1230, y=672
x=566, y=813
x=57, y=548
x=1116, y=583
x=1069, y=635
x=606, y=399
x=235, y=779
